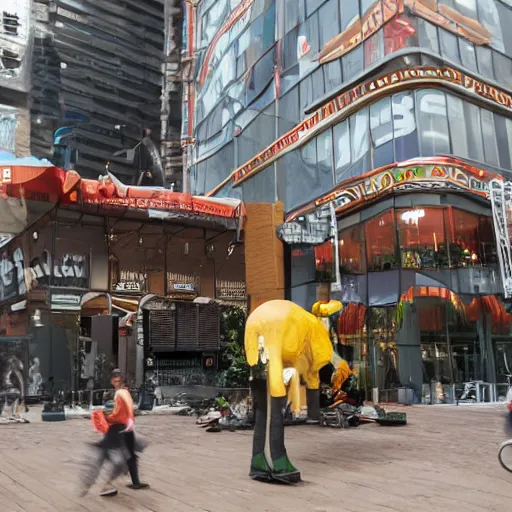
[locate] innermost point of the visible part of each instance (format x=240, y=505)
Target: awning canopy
x=30, y=179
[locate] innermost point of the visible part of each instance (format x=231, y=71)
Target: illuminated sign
x=346, y=103
x=417, y=174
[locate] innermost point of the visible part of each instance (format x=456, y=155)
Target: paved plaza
x=444, y=460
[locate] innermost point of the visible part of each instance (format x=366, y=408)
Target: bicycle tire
x=504, y=445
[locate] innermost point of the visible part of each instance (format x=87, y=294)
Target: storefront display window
x=422, y=238
x=351, y=247
x=464, y=247
x=324, y=263
x=380, y=242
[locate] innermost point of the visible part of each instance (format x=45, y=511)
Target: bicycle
x=505, y=455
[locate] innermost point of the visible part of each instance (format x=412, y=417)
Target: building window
x=474, y=130
x=467, y=54
x=433, y=123
x=360, y=141
x=449, y=46
x=428, y=36
x=484, y=60
x=374, y=48
x=351, y=247
x=341, y=150
x=381, y=127
x=380, y=242
x=487, y=250
x=421, y=237
x=464, y=246
x=404, y=126
x=324, y=263
x=458, y=133
x=489, y=137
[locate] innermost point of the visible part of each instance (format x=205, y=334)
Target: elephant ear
x=320, y=344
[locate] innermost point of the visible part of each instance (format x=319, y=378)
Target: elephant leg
x=313, y=400
x=283, y=469
x=260, y=468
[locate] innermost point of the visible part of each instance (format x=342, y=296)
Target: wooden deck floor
x=444, y=460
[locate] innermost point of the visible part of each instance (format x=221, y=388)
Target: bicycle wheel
x=505, y=455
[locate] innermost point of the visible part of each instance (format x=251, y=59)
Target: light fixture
x=412, y=216
x=36, y=318
x=186, y=248
x=210, y=249
x=35, y=235
x=141, y=241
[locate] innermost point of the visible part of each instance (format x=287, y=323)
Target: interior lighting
x=412, y=216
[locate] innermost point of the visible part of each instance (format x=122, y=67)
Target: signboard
x=184, y=287
x=130, y=286
x=130, y=281
x=69, y=271
x=346, y=103
x=182, y=284
x=231, y=290
x=66, y=302
x=312, y=229
x=449, y=173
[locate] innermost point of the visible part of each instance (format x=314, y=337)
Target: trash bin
x=405, y=396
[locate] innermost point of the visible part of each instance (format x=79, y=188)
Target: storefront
x=100, y=252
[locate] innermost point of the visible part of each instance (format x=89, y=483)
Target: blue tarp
x=7, y=158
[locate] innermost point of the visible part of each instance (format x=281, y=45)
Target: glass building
x=399, y=113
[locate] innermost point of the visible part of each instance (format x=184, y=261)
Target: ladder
x=501, y=200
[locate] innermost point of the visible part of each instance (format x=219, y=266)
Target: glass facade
x=259, y=68
x=419, y=271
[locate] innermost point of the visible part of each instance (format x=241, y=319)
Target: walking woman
x=119, y=445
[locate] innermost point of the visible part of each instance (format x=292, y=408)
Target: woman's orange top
x=123, y=408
